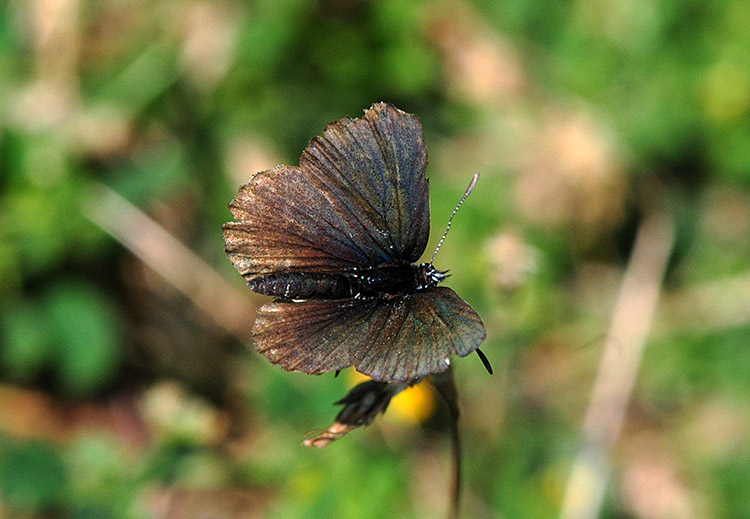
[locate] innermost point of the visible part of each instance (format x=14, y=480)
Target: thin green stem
x=446, y=386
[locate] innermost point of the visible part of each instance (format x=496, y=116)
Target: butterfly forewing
x=285, y=222
x=376, y=165
x=359, y=198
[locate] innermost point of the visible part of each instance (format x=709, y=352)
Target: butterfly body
x=385, y=281
x=336, y=242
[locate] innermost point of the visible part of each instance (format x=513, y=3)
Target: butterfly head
x=429, y=276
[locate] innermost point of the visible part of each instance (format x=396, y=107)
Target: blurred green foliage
x=671, y=75
x=174, y=104
x=33, y=476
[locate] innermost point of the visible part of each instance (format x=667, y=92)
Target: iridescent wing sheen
x=396, y=339
x=359, y=198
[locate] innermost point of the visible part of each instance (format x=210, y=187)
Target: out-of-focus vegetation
x=128, y=386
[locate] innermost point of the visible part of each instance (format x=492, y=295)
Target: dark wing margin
x=359, y=198
x=397, y=339
x=376, y=165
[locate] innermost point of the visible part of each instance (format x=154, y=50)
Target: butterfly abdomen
x=304, y=285
x=384, y=281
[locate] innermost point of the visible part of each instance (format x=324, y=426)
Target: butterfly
x=335, y=241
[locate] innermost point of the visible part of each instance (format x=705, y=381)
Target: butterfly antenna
x=448, y=228
x=485, y=361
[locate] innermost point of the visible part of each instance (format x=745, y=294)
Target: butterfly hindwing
x=396, y=339
x=316, y=335
x=421, y=333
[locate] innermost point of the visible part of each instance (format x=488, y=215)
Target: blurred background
x=607, y=247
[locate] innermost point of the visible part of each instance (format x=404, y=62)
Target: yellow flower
x=413, y=405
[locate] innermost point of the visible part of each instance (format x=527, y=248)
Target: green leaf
x=26, y=344
x=88, y=334
x=32, y=476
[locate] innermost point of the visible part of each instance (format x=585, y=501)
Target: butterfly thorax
x=384, y=281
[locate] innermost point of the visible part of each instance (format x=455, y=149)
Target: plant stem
x=446, y=386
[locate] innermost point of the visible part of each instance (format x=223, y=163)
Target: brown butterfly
x=335, y=241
